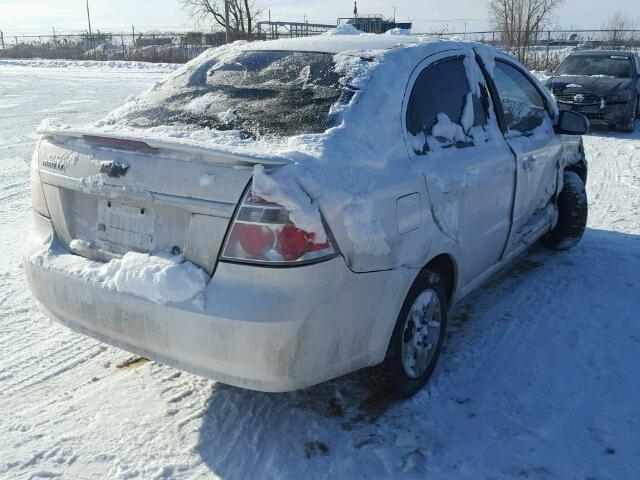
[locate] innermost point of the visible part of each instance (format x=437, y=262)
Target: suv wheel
x=572, y=215
x=417, y=339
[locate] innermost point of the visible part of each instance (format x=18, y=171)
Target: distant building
x=372, y=23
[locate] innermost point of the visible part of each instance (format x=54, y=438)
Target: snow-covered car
x=277, y=214
x=603, y=85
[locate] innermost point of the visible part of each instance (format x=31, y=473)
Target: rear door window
x=442, y=106
x=523, y=105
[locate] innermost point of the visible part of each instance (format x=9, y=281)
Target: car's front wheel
x=417, y=339
x=573, y=209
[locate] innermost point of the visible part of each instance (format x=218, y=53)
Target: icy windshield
x=258, y=93
x=618, y=66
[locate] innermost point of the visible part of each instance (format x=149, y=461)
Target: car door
x=529, y=131
x=469, y=169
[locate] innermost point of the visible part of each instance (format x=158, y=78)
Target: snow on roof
x=338, y=41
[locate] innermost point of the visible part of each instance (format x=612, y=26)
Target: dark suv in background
x=603, y=85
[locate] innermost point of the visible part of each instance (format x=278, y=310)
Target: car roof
x=604, y=53
x=342, y=43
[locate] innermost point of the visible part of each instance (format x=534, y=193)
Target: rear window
x=619, y=66
x=441, y=87
x=261, y=93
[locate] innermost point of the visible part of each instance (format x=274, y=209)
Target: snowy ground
x=539, y=379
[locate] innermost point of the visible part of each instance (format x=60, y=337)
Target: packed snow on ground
x=538, y=378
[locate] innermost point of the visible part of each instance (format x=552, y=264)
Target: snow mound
x=446, y=129
x=160, y=277
x=343, y=30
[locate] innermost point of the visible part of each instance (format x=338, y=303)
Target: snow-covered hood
x=588, y=84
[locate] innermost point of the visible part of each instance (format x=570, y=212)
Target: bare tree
x=242, y=13
x=520, y=21
x=619, y=29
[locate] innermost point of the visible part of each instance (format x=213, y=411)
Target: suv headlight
x=622, y=97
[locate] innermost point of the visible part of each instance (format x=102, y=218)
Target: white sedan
x=277, y=214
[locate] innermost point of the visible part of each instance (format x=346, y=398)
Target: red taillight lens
x=255, y=240
x=263, y=233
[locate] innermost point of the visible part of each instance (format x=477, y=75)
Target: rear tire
x=572, y=215
x=416, y=342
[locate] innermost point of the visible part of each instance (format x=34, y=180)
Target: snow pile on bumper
x=160, y=278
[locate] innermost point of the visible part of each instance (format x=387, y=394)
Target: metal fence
x=541, y=51
x=151, y=47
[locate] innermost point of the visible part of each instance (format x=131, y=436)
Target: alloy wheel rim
x=420, y=333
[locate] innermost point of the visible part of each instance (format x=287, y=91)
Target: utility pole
x=2, y=39
x=394, y=14
x=89, y=22
x=226, y=20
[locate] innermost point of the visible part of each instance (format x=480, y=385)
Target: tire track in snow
x=40, y=367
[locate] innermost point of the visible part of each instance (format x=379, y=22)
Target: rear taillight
x=263, y=233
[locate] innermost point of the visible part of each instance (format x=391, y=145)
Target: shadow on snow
x=332, y=429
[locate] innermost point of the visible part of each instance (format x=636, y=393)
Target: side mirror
x=572, y=123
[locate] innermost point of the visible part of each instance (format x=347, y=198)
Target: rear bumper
x=614, y=114
x=268, y=329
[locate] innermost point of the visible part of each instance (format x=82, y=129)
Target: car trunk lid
x=111, y=194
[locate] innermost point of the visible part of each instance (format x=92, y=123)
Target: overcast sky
x=41, y=16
